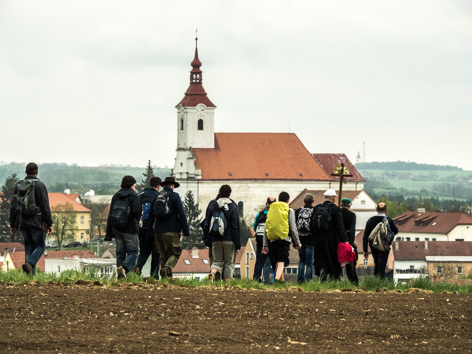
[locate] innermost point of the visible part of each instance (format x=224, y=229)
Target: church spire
x=195, y=93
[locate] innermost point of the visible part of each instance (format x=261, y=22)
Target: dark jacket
x=151, y=194
x=370, y=226
x=175, y=222
x=306, y=240
x=135, y=213
x=326, y=242
x=349, y=221
x=232, y=232
x=40, y=220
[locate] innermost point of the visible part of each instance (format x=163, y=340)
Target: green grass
x=367, y=284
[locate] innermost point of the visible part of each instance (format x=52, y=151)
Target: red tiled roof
x=17, y=246
x=239, y=255
x=18, y=259
x=60, y=198
x=260, y=156
x=319, y=197
x=358, y=241
x=196, y=264
x=414, y=250
x=329, y=161
x=429, y=222
x=70, y=254
x=72, y=196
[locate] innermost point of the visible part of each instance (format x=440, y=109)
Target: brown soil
x=142, y=319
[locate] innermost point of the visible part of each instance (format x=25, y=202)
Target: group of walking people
x=151, y=224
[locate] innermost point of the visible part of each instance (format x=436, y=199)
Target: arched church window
x=200, y=124
x=241, y=209
x=181, y=124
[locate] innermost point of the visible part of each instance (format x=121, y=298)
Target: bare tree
x=98, y=217
x=65, y=224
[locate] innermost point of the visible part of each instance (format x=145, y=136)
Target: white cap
x=330, y=193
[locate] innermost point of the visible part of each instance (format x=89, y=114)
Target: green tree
x=194, y=218
x=65, y=225
x=98, y=217
x=6, y=196
x=393, y=209
x=148, y=174
x=245, y=227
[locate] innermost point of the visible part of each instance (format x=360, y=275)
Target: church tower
x=195, y=123
x=358, y=158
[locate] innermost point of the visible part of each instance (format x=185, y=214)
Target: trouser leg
x=302, y=263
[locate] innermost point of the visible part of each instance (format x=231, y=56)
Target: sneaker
x=137, y=271
x=121, y=272
x=27, y=268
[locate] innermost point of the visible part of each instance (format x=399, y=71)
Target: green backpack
x=24, y=201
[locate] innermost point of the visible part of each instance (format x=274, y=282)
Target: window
x=247, y=257
x=439, y=270
x=459, y=270
x=426, y=239
x=58, y=269
x=240, y=209
x=459, y=239
x=366, y=262
x=434, y=239
x=181, y=124
x=200, y=124
x=205, y=261
x=252, y=255
x=82, y=220
x=398, y=239
x=82, y=235
x=362, y=201
x=247, y=272
x=412, y=269
x=197, y=278
x=408, y=239
x=417, y=238
x=186, y=261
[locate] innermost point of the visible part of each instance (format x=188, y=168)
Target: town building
x=255, y=165
x=82, y=214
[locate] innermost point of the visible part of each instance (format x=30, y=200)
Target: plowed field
x=132, y=319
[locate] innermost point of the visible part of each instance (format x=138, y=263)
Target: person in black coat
x=326, y=241
x=380, y=258
x=349, y=220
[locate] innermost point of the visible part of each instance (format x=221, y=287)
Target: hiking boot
x=163, y=273
x=137, y=271
x=121, y=272
x=27, y=268
x=217, y=277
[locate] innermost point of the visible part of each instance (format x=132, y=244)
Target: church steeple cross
x=341, y=172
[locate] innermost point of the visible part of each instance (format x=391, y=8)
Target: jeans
x=126, y=250
x=147, y=247
x=262, y=266
x=34, y=244
x=307, y=255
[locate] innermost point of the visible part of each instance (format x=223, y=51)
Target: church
x=255, y=165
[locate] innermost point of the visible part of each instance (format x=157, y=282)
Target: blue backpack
x=145, y=210
x=322, y=217
x=218, y=223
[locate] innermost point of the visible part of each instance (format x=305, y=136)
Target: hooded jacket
x=135, y=213
x=232, y=232
x=175, y=222
x=40, y=220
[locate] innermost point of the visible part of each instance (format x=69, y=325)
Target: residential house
x=432, y=226
x=436, y=259
x=193, y=264
x=83, y=214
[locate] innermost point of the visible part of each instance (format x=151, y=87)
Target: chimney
x=5, y=253
x=66, y=191
x=426, y=244
x=195, y=252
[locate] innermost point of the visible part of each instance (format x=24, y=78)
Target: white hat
x=330, y=193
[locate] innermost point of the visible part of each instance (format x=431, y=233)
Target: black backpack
x=162, y=205
x=261, y=224
x=120, y=213
x=145, y=211
x=24, y=201
x=321, y=217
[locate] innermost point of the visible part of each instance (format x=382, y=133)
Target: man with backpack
x=147, y=246
x=167, y=220
x=262, y=266
x=122, y=224
x=280, y=232
x=304, y=226
x=225, y=236
x=372, y=226
x=349, y=221
x=30, y=214
x=329, y=231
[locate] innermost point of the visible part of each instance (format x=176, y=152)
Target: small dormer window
x=200, y=124
x=230, y=174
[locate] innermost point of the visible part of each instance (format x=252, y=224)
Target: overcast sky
x=96, y=82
